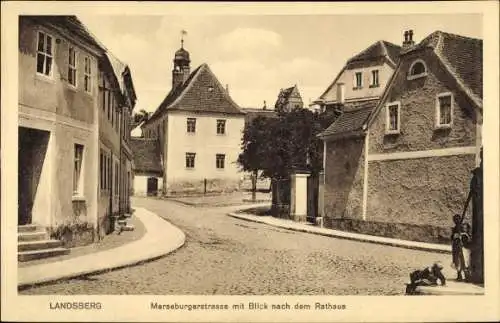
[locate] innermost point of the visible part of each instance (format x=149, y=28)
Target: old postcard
x=209, y=162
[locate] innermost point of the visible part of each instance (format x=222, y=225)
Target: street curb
x=349, y=235
x=156, y=225
x=244, y=203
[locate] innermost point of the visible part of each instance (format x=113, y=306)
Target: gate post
x=298, y=195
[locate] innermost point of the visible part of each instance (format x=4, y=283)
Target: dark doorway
x=32, y=149
x=152, y=186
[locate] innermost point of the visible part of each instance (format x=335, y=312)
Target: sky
x=257, y=55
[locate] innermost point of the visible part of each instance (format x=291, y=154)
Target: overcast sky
x=257, y=54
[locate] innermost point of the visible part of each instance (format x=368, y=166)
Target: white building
x=198, y=128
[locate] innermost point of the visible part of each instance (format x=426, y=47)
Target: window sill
x=78, y=198
x=442, y=127
x=221, y=134
x=357, y=88
x=392, y=132
x=45, y=78
x=190, y=169
x=190, y=133
x=71, y=87
x=374, y=86
x=413, y=77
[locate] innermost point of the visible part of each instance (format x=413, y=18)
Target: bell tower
x=182, y=69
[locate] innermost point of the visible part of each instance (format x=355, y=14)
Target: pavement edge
x=353, y=236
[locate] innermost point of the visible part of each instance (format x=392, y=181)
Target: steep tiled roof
x=73, y=24
x=379, y=49
x=146, y=155
x=465, y=57
x=351, y=120
x=118, y=68
x=462, y=55
x=201, y=92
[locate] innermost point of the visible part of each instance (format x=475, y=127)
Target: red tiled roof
x=146, y=156
x=195, y=95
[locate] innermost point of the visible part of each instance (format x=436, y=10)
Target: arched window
x=417, y=69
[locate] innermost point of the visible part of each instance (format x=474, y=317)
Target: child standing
x=458, y=238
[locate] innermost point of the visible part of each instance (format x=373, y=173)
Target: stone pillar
x=298, y=196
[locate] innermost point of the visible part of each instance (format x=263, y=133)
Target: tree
x=255, y=144
x=142, y=115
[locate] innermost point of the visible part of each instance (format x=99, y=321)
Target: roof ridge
x=458, y=35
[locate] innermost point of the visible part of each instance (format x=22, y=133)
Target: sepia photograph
x=211, y=163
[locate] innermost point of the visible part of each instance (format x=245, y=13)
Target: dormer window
x=417, y=69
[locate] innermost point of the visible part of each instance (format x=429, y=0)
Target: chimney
x=340, y=93
x=408, y=42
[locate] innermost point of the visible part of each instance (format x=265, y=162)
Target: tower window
x=190, y=160
x=219, y=161
x=191, y=125
x=221, y=127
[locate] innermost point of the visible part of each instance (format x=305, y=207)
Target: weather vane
x=183, y=32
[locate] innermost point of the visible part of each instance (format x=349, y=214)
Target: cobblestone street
x=223, y=255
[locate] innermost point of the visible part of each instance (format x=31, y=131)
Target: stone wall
x=344, y=171
x=424, y=191
x=198, y=187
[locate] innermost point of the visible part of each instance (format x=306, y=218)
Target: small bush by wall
x=404, y=231
x=73, y=233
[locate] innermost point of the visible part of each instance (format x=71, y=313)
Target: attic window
x=417, y=69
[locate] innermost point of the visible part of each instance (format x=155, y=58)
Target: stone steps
x=38, y=245
x=40, y=254
x=34, y=243
x=31, y=236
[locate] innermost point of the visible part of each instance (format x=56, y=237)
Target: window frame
x=78, y=168
x=355, y=80
x=190, y=158
x=45, y=54
x=372, y=84
x=219, y=158
x=416, y=76
x=87, y=74
x=73, y=68
x=438, y=123
x=223, y=123
x=389, y=131
x=192, y=122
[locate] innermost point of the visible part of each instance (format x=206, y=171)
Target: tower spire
x=183, y=32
